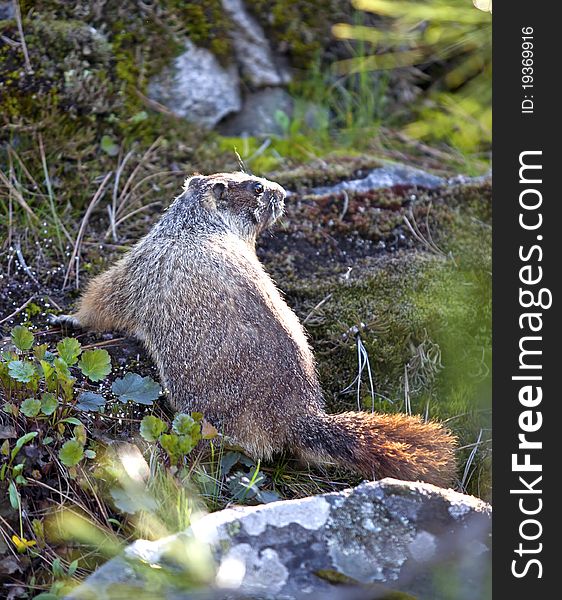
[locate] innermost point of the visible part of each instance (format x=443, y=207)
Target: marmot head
x=247, y=204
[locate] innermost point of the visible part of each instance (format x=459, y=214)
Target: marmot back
x=228, y=345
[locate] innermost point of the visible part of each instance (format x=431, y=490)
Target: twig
x=17, y=10
x=104, y=343
x=319, y=305
x=345, y=205
x=18, y=310
x=155, y=105
x=23, y=264
x=56, y=305
x=17, y=195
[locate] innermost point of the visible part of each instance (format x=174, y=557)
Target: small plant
x=46, y=410
x=186, y=432
x=39, y=391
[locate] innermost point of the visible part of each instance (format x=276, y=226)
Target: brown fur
x=227, y=344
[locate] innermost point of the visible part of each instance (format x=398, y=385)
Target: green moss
x=301, y=28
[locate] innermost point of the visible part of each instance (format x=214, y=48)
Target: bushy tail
x=381, y=445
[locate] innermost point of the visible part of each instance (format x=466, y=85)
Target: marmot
x=227, y=344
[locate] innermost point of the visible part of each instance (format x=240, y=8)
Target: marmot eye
x=258, y=189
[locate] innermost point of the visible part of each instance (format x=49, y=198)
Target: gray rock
x=395, y=174
x=262, y=114
x=252, y=49
x=385, y=177
x=388, y=533
x=197, y=88
x=7, y=10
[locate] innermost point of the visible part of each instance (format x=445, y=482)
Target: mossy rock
x=70, y=69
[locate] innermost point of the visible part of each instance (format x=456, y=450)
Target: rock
x=197, y=88
x=7, y=10
x=389, y=533
x=394, y=174
x=252, y=48
x=264, y=113
x=385, y=177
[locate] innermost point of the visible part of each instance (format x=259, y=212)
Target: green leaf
x=72, y=567
x=132, y=500
x=228, y=460
x=90, y=402
x=21, y=441
x=21, y=371
x=56, y=567
x=151, y=428
x=48, y=440
x=47, y=368
x=170, y=443
x=30, y=407
x=49, y=357
x=143, y=390
x=49, y=403
x=22, y=338
x=138, y=117
x=80, y=434
x=185, y=425
x=109, y=146
x=62, y=369
x=14, y=495
x=186, y=443
x=71, y=453
x=71, y=421
x=90, y=453
x=69, y=350
x=40, y=351
x=95, y=364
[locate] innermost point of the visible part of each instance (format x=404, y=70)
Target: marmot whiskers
x=227, y=344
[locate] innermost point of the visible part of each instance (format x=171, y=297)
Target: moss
x=300, y=28
x=71, y=70
x=333, y=168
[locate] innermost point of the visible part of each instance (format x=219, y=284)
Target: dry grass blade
x=345, y=206
x=17, y=195
x=407, y=398
x=120, y=199
x=362, y=363
x=426, y=241
x=77, y=244
x=469, y=462
x=124, y=194
x=316, y=308
x=58, y=223
x=18, y=310
x=136, y=211
x=17, y=11
x=113, y=210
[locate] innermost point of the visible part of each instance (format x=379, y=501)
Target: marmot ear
x=219, y=190
x=193, y=182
